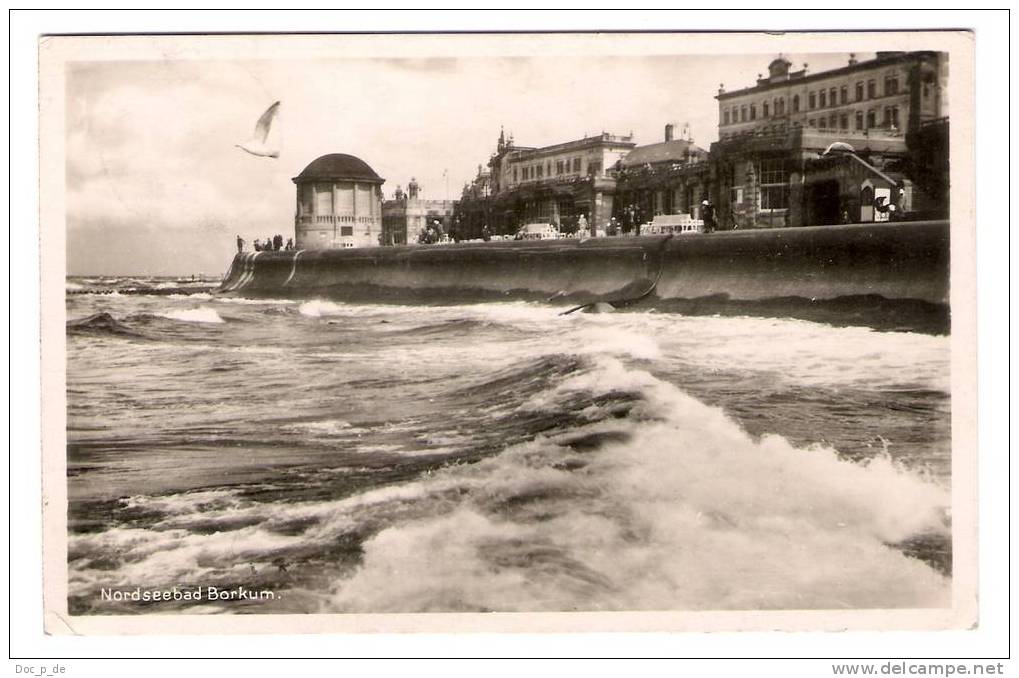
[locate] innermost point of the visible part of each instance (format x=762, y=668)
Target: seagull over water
x=258, y=145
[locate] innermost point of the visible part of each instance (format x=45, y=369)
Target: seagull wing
x=265, y=122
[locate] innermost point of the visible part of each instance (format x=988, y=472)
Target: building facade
x=671, y=177
x=339, y=204
x=407, y=215
x=770, y=134
x=554, y=184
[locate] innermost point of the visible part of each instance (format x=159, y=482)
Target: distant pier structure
x=339, y=204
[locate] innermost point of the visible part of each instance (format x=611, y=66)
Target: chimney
x=852, y=59
x=668, y=131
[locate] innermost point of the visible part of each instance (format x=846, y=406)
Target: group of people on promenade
x=273, y=244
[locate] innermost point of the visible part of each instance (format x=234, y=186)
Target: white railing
x=334, y=219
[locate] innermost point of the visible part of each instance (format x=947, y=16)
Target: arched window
x=764, y=109
x=796, y=103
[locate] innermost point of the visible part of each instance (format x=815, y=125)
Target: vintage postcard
x=508, y=332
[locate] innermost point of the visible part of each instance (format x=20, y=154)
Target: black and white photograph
x=560, y=324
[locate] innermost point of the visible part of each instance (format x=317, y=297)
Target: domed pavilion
x=339, y=204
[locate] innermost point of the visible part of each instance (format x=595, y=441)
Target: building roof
x=338, y=166
x=677, y=150
x=527, y=153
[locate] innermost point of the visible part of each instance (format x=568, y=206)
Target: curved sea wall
x=898, y=262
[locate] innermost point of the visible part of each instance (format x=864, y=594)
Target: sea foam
x=193, y=315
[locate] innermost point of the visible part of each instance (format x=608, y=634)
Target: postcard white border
x=959, y=294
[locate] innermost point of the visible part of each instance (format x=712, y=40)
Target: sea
x=236, y=456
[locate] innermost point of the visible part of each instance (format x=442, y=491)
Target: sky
x=155, y=185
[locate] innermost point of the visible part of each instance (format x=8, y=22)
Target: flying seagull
x=839, y=146
x=257, y=144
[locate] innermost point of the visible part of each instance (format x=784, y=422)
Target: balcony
x=332, y=219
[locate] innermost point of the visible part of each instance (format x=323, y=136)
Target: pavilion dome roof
x=338, y=167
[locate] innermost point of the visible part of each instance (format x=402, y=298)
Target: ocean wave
x=255, y=302
x=99, y=323
x=675, y=508
x=193, y=315
x=191, y=296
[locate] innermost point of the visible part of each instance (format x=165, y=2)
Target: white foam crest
x=190, y=297
x=184, y=503
x=317, y=308
x=255, y=302
x=326, y=426
x=193, y=315
x=70, y=286
x=173, y=556
x=688, y=512
x=799, y=350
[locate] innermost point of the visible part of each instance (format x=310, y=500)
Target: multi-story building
x=554, y=184
x=339, y=204
x=407, y=215
x=671, y=177
x=770, y=132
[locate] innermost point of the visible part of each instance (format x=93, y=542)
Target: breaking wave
x=193, y=315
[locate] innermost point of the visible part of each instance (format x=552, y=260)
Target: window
x=821, y=124
x=926, y=90
x=871, y=119
x=859, y=120
x=514, y=174
x=812, y=123
x=871, y=89
x=844, y=95
x=812, y=101
x=895, y=117
x=891, y=84
x=822, y=99
x=742, y=113
x=859, y=91
x=540, y=171
x=844, y=121
x=725, y=117
x=323, y=199
x=594, y=168
x=576, y=164
x=753, y=111
x=833, y=121
x=831, y=96
x=774, y=178
x=764, y=109
x=796, y=103
x=886, y=120
x=346, y=230
x=558, y=167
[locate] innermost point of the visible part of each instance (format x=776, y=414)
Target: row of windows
x=568, y=166
x=890, y=119
x=823, y=98
x=835, y=97
x=749, y=112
